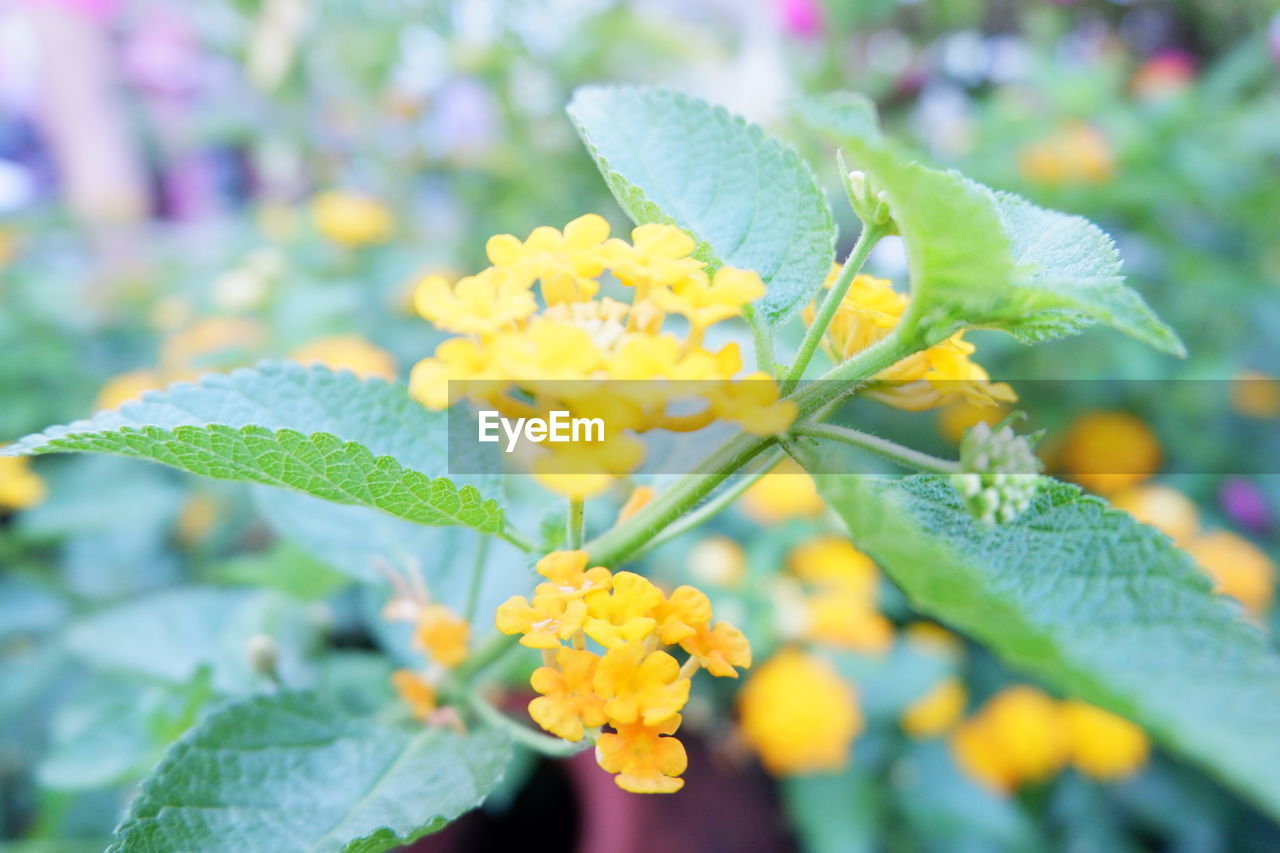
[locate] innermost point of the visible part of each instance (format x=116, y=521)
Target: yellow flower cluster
x=509, y=350
x=924, y=380
x=20, y=487
x=1022, y=736
x=635, y=687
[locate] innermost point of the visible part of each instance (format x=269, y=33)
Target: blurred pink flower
x=99, y=10
x=801, y=17
x=1166, y=73
x=1245, y=504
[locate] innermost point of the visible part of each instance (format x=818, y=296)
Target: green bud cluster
x=999, y=473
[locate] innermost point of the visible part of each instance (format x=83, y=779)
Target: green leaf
x=1092, y=603
x=284, y=567
x=748, y=199
x=994, y=260
x=842, y=116
x=292, y=773
x=329, y=435
x=169, y=635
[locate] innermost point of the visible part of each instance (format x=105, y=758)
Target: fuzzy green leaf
x=748, y=199
x=292, y=773
x=359, y=438
x=1092, y=603
x=994, y=260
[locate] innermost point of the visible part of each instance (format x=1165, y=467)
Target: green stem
x=477, y=578
x=545, y=744
x=763, y=341
x=576, y=522
x=881, y=446
x=489, y=653
x=714, y=506
x=867, y=240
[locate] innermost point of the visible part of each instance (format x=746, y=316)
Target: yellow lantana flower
x=1016, y=739
x=686, y=611
x=544, y=622
x=869, y=311
x=657, y=257
x=20, y=487
x=936, y=711
x=640, y=685
x=347, y=352
x=624, y=612
x=526, y=362
x=705, y=301
x=481, y=304
x=568, y=704
x=442, y=634
x=350, y=219
x=635, y=687
x=1238, y=568
x=841, y=610
x=799, y=715
x=718, y=650
x=645, y=761
x=567, y=574
x=1100, y=744
x=566, y=263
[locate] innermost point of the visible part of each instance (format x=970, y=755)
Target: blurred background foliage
x=204, y=185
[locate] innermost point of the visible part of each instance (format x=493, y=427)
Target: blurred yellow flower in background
x=799, y=715
x=1238, y=568
x=1101, y=744
x=717, y=561
x=1076, y=153
x=1017, y=738
x=1107, y=451
x=1256, y=395
x=937, y=711
x=350, y=219
x=20, y=487
x=785, y=492
x=1164, y=508
x=347, y=352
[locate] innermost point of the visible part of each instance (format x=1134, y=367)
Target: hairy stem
x=890, y=450
x=576, y=522
x=867, y=240
x=521, y=734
